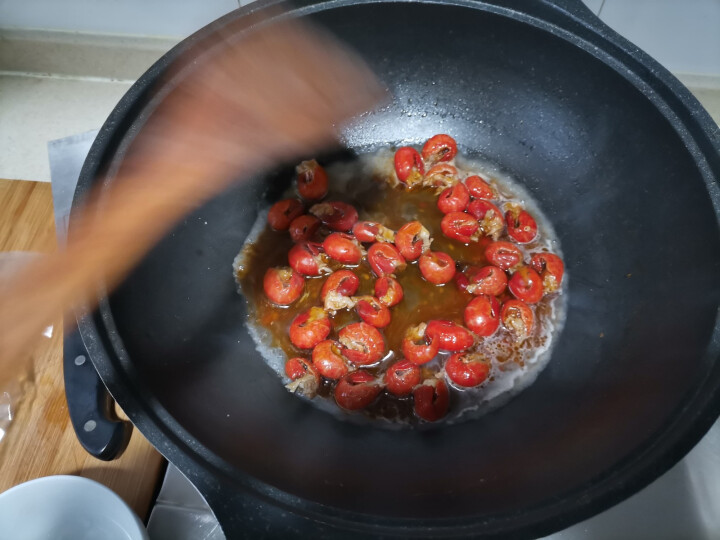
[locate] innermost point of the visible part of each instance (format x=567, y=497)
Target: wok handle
x=89, y=403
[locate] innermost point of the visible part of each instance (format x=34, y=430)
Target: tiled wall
x=684, y=35
x=167, y=18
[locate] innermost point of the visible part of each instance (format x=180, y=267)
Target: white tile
x=710, y=99
x=36, y=110
x=684, y=36
x=80, y=54
x=594, y=5
x=139, y=17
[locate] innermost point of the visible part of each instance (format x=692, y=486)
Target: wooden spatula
x=275, y=94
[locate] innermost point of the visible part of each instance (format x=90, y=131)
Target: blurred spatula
x=275, y=94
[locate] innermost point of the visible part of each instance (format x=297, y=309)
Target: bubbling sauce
x=369, y=184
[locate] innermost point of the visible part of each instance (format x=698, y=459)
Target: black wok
x=621, y=158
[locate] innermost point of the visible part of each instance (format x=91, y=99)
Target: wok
x=621, y=158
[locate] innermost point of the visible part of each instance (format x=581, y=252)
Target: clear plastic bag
x=22, y=385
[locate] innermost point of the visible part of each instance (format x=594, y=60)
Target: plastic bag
x=22, y=385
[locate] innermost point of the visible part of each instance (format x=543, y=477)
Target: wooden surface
x=40, y=440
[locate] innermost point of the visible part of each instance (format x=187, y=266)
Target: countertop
x=40, y=440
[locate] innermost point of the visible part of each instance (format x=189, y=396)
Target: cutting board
x=40, y=440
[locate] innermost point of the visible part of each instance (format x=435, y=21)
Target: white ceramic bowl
x=66, y=508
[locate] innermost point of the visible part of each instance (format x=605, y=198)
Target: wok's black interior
x=640, y=240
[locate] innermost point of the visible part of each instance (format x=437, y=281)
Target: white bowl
x=66, y=508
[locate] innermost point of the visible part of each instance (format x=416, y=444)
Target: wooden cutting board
x=40, y=440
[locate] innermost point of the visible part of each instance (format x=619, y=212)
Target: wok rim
x=664, y=449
